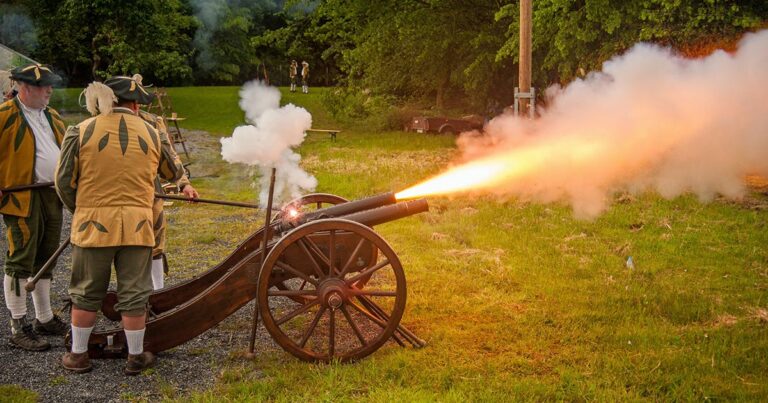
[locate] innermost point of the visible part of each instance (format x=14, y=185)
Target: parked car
x=443, y=125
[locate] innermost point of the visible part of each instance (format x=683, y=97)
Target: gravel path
x=192, y=366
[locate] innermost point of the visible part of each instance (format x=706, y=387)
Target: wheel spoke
x=369, y=315
x=315, y=264
x=312, y=326
x=297, y=273
x=367, y=272
x=347, y=265
x=313, y=247
x=373, y=307
x=331, y=252
x=353, y=325
x=369, y=304
x=331, y=333
x=373, y=293
x=290, y=293
x=297, y=311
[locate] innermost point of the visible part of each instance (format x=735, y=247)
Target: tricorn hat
x=129, y=89
x=39, y=75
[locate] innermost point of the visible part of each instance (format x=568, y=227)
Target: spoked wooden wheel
x=303, y=204
x=331, y=289
x=310, y=202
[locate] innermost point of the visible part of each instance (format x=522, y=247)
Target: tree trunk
x=95, y=59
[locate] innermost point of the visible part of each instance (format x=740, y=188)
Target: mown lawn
x=517, y=301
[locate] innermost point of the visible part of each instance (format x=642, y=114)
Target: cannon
x=327, y=287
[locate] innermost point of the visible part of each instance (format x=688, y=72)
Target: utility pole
x=525, y=95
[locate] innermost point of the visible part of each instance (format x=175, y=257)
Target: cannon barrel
x=388, y=213
x=338, y=210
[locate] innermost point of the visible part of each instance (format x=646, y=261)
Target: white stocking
x=41, y=298
x=17, y=304
x=135, y=340
x=157, y=274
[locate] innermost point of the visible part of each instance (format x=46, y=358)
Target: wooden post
x=264, y=242
x=526, y=11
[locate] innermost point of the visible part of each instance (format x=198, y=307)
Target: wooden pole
x=27, y=187
x=47, y=266
x=526, y=31
x=209, y=201
x=264, y=241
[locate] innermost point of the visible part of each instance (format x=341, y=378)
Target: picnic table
x=331, y=132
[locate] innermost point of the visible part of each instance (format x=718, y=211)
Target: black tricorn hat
x=39, y=75
x=128, y=89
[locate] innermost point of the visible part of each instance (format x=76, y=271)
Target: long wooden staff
x=49, y=264
x=196, y=200
x=26, y=187
x=46, y=267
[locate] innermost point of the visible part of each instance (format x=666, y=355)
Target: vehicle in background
x=443, y=125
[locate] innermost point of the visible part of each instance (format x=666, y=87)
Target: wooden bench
x=332, y=132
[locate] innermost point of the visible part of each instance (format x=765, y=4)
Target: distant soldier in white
x=293, y=72
x=304, y=77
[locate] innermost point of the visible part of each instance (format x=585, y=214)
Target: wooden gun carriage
x=329, y=287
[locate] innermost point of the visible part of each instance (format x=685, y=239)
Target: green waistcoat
x=17, y=154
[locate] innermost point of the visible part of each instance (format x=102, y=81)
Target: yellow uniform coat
x=106, y=175
x=17, y=155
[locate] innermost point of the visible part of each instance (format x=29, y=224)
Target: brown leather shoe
x=139, y=362
x=76, y=362
x=54, y=327
x=23, y=336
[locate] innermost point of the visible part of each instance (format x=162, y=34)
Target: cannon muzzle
x=338, y=210
x=388, y=213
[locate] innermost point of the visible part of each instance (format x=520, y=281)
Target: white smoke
x=649, y=120
x=267, y=142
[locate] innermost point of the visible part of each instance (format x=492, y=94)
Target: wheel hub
x=333, y=293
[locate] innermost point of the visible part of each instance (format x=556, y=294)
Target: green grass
x=517, y=301
x=17, y=394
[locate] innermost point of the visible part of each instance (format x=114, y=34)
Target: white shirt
x=46, y=150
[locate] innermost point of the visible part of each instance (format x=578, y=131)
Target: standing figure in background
x=159, y=262
x=30, y=136
x=293, y=71
x=106, y=176
x=304, y=77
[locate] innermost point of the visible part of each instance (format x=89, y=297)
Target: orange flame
x=501, y=168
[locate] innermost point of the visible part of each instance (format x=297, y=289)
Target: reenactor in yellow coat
x=30, y=137
x=159, y=222
x=106, y=177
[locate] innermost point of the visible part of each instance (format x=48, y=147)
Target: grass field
x=517, y=301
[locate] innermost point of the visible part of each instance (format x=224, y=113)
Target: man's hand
x=190, y=192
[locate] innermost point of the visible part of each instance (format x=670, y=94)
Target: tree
x=95, y=39
x=16, y=29
x=224, y=52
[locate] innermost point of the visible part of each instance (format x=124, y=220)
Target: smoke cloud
x=17, y=31
x=267, y=141
x=651, y=120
